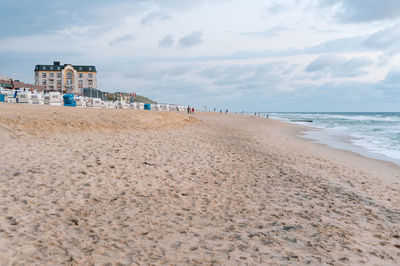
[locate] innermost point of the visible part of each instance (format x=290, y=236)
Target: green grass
x=138, y=98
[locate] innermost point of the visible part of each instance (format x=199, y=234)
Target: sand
x=123, y=187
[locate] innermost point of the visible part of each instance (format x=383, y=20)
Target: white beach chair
x=96, y=103
x=25, y=97
x=37, y=98
x=80, y=101
x=53, y=98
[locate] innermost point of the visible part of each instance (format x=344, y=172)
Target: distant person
x=220, y=111
x=192, y=110
x=267, y=116
x=226, y=111
x=214, y=109
x=188, y=110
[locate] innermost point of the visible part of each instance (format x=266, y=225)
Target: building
x=9, y=83
x=66, y=78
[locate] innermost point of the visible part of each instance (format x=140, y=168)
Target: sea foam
x=377, y=133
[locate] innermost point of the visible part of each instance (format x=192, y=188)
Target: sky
x=253, y=55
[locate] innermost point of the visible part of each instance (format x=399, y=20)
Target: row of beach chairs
x=56, y=99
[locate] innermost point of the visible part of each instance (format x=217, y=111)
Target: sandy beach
x=123, y=187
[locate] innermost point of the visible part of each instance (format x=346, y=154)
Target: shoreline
x=125, y=186
x=369, y=162
x=338, y=140
x=342, y=142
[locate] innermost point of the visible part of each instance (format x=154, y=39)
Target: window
x=69, y=78
x=58, y=68
x=80, y=68
x=90, y=82
x=90, y=68
x=80, y=83
x=80, y=75
x=59, y=82
x=51, y=68
x=44, y=82
x=43, y=75
x=44, y=67
x=51, y=75
x=90, y=76
x=36, y=75
x=59, y=75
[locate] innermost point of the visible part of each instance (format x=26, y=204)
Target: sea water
x=376, y=133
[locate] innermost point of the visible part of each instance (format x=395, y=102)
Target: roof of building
x=56, y=67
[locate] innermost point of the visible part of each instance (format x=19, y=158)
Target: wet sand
x=93, y=186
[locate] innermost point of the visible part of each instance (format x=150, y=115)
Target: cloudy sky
x=253, y=55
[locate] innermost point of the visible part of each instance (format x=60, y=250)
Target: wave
x=376, y=132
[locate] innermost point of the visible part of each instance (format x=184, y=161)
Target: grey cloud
x=275, y=86
x=342, y=45
x=179, y=4
x=26, y=17
x=387, y=39
x=150, y=18
x=250, y=79
x=180, y=70
x=150, y=73
x=390, y=85
x=363, y=10
x=22, y=63
x=167, y=41
x=122, y=39
x=272, y=32
x=338, y=66
x=276, y=8
x=193, y=39
x=342, y=96
x=256, y=79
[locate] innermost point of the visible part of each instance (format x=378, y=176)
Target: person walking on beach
x=188, y=109
x=192, y=110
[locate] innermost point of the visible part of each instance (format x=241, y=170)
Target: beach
x=123, y=187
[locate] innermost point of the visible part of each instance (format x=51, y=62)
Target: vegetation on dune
x=137, y=98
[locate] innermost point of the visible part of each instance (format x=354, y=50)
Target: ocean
x=375, y=135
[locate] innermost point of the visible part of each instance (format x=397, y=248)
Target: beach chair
x=37, y=98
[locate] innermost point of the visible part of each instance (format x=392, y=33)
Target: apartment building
x=66, y=78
